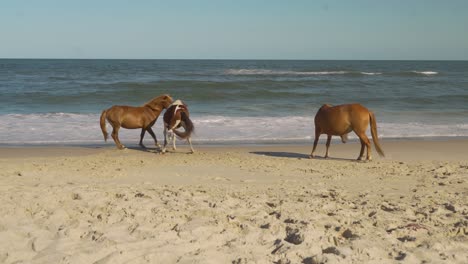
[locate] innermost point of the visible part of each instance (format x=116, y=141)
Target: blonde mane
x=157, y=100
x=178, y=102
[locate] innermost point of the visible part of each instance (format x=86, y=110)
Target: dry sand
x=252, y=204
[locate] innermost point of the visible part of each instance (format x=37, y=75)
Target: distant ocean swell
x=292, y=94
x=68, y=128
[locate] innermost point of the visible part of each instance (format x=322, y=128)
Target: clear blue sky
x=235, y=29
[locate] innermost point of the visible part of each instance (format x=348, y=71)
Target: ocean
x=46, y=101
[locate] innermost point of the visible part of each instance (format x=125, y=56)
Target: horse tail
x=103, y=124
x=189, y=128
x=373, y=125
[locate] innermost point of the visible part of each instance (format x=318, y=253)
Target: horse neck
x=157, y=109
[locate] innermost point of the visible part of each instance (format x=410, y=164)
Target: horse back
x=130, y=116
x=341, y=119
x=357, y=114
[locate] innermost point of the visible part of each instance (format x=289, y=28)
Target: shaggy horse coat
x=177, y=115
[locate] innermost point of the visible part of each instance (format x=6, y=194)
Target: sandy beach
x=235, y=204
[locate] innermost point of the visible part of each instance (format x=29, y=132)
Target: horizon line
x=227, y=59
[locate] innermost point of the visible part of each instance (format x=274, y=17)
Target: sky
x=235, y=29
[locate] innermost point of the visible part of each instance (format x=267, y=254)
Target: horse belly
x=131, y=126
x=132, y=120
x=337, y=127
x=335, y=132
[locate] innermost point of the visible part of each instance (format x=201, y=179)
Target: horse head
x=178, y=102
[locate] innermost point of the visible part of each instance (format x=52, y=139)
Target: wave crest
x=278, y=72
x=312, y=73
x=426, y=72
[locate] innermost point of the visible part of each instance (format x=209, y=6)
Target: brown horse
x=340, y=120
x=132, y=117
x=177, y=115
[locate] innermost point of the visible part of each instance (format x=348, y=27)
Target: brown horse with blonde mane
x=132, y=117
x=177, y=115
x=340, y=120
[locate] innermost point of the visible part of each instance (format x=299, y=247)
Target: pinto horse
x=132, y=117
x=340, y=120
x=177, y=115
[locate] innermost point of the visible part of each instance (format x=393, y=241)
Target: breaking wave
x=280, y=72
x=69, y=128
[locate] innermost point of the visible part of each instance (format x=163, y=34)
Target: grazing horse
x=340, y=120
x=132, y=117
x=177, y=115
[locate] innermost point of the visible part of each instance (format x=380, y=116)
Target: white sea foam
x=371, y=73
x=308, y=73
x=277, y=72
x=426, y=72
x=67, y=128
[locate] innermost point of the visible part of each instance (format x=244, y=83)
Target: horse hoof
x=311, y=156
x=143, y=146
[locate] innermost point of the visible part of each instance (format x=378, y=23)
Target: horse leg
x=344, y=138
x=115, y=136
x=361, y=154
x=173, y=138
x=165, y=139
x=150, y=131
x=363, y=137
x=328, y=145
x=317, y=136
x=142, y=135
x=190, y=142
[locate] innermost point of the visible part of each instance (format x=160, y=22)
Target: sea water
x=46, y=101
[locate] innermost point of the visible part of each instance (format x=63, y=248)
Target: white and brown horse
x=177, y=115
x=132, y=117
x=340, y=120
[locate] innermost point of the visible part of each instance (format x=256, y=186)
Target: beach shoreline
x=235, y=204
x=229, y=143
x=402, y=149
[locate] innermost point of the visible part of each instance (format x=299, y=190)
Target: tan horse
x=132, y=117
x=177, y=115
x=340, y=120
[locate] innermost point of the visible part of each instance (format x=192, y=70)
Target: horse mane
x=178, y=102
x=324, y=106
x=157, y=100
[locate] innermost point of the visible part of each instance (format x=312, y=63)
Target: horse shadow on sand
x=145, y=149
x=156, y=150
x=294, y=155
